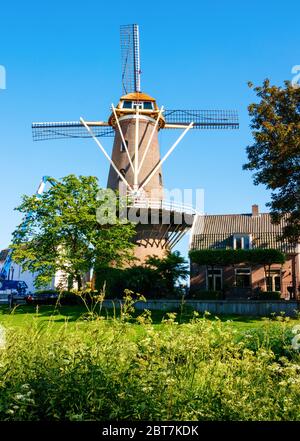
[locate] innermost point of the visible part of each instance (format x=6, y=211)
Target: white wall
x=26, y=276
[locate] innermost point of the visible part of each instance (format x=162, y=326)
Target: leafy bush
x=46, y=291
x=105, y=371
x=225, y=257
x=157, y=278
x=206, y=295
x=269, y=295
x=137, y=278
x=69, y=298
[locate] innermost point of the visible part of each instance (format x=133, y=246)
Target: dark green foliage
x=172, y=269
x=137, y=278
x=62, y=233
x=157, y=278
x=275, y=154
x=269, y=295
x=46, y=291
x=232, y=257
x=206, y=295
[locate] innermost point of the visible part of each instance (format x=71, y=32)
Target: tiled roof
x=216, y=231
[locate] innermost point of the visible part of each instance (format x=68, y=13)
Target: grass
x=69, y=364
x=24, y=315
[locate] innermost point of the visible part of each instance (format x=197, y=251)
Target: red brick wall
x=290, y=275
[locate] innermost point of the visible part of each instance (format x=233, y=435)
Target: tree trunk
x=79, y=281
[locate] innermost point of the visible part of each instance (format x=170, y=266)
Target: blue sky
x=62, y=60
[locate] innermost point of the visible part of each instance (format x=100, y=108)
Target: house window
x=273, y=280
x=122, y=147
x=214, y=280
x=243, y=277
x=241, y=241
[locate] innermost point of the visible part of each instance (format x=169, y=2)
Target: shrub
x=46, y=291
x=137, y=278
x=145, y=280
x=206, y=295
x=69, y=298
x=269, y=295
x=231, y=257
x=157, y=278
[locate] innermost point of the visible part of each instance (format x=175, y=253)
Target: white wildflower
x=296, y=339
x=296, y=329
x=2, y=337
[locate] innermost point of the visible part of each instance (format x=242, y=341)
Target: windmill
x=136, y=162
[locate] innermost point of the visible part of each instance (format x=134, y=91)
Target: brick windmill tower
x=135, y=161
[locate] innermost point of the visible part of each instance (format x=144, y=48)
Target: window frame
x=137, y=105
x=242, y=237
x=248, y=273
x=127, y=101
x=122, y=147
x=220, y=275
x=273, y=274
x=150, y=103
x=160, y=179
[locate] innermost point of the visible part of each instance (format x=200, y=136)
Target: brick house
x=244, y=231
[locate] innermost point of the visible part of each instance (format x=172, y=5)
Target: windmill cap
x=137, y=96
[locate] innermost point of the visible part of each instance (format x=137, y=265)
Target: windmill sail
x=130, y=53
x=203, y=119
x=72, y=129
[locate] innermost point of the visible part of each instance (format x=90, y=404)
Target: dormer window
x=242, y=241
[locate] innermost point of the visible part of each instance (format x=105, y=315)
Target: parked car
x=43, y=298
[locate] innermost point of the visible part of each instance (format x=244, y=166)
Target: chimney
x=255, y=210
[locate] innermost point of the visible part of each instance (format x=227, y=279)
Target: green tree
x=62, y=233
x=171, y=270
x=275, y=154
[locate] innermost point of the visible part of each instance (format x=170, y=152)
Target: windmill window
x=160, y=179
x=123, y=172
x=148, y=105
x=137, y=105
x=122, y=147
x=127, y=105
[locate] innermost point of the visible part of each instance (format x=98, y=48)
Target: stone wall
x=220, y=307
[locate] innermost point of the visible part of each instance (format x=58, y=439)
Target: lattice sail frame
x=175, y=119
x=43, y=131
x=130, y=54
x=203, y=119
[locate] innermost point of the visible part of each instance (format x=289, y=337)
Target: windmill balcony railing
x=162, y=205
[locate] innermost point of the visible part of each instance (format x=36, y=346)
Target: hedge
x=205, y=295
x=232, y=257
